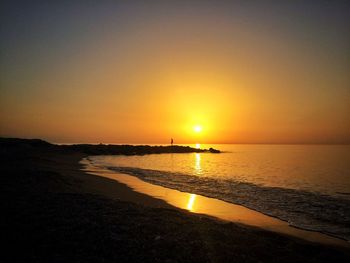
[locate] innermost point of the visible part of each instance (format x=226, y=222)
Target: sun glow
x=197, y=128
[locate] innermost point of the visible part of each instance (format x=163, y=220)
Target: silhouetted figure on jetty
x=171, y=141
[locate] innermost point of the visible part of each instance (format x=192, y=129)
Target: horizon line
x=181, y=143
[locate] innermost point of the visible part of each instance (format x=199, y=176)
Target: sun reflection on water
x=197, y=165
x=191, y=202
x=198, y=169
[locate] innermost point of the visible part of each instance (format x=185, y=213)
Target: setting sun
x=197, y=128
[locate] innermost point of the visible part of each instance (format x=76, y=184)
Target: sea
x=306, y=185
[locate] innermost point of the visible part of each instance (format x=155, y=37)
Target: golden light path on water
x=198, y=169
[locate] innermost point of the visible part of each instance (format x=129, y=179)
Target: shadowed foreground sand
x=54, y=212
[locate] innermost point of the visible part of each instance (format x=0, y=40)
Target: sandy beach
x=54, y=211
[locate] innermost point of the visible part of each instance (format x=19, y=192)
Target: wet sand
x=54, y=212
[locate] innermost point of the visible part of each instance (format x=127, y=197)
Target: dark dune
x=54, y=212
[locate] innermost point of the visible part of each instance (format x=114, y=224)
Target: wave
x=302, y=209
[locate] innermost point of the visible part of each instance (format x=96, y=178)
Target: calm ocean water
x=306, y=185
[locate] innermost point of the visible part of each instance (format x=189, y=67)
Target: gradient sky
x=145, y=71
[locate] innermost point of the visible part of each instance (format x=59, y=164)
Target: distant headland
x=102, y=149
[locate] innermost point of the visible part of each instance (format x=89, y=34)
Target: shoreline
x=212, y=207
x=54, y=212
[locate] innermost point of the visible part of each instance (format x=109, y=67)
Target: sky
x=148, y=71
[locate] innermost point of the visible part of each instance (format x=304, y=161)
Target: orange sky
x=145, y=76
